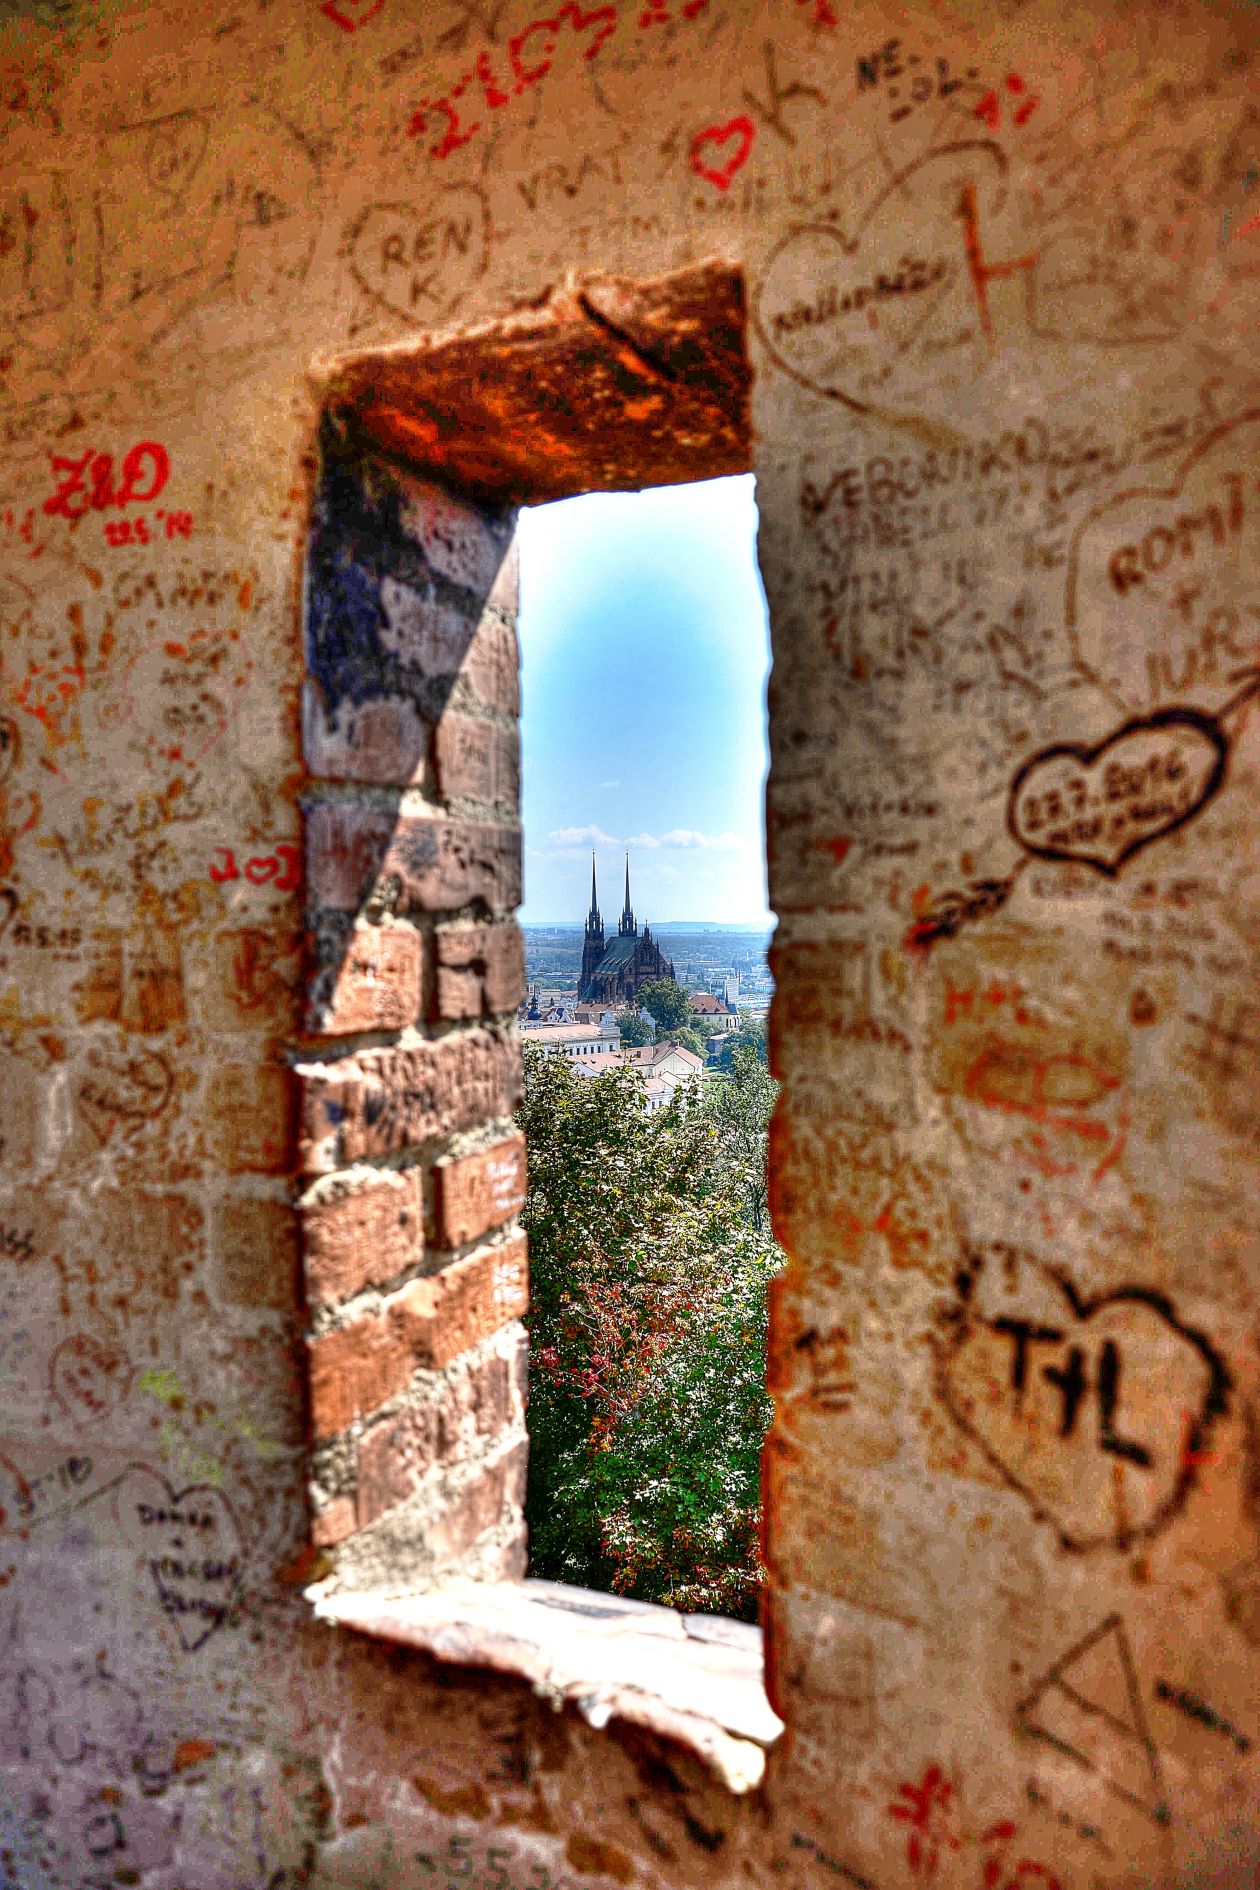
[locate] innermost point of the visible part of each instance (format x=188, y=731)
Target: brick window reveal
x=413, y=1173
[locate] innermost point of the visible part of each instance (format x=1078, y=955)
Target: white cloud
x=582, y=836
x=687, y=837
x=607, y=784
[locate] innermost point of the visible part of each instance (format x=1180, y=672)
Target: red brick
x=480, y=970
x=363, y=1238
x=376, y=986
x=479, y=1192
x=477, y=760
x=384, y=741
x=396, y=1455
x=334, y=1523
x=360, y=1366
x=467, y=1301
x=371, y=1104
x=462, y=542
x=436, y=864
x=354, y=1370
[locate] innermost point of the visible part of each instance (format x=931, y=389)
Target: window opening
x=645, y=903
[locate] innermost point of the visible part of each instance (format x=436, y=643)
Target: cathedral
x=614, y=973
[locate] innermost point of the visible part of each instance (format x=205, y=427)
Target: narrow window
x=647, y=1326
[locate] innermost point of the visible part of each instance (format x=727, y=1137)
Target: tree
x=751, y=1035
x=690, y=1039
x=635, y=1030
x=668, y=1003
x=739, y=1107
x=647, y=1381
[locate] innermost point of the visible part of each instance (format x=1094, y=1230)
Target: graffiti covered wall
x=1003, y=278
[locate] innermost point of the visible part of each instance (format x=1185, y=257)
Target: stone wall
x=1001, y=295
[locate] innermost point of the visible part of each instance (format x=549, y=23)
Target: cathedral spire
x=593, y=916
x=627, y=927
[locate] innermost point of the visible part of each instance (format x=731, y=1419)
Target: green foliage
x=635, y=1030
x=751, y=1035
x=690, y=1039
x=648, y=1327
x=668, y=1003
x=738, y=1106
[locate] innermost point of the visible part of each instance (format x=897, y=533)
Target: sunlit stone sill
x=693, y=1678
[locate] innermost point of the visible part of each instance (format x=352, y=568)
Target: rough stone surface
x=477, y=760
x=373, y=984
x=974, y=293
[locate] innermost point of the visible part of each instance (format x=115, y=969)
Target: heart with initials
x=191, y=1541
x=1097, y=1411
x=420, y=260
x=707, y=144
x=1101, y=805
x=850, y=315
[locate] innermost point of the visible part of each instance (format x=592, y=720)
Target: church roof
x=617, y=953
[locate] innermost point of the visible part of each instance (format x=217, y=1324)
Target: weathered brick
x=479, y=1192
x=492, y=666
x=384, y=740
x=333, y=1523
x=477, y=760
x=468, y=1300
x=376, y=986
x=429, y=633
x=355, y=1369
x=480, y=970
x=359, y=1366
x=431, y=864
x=363, y=1238
x=479, y=1504
x=380, y=1100
x=461, y=542
x=396, y=1455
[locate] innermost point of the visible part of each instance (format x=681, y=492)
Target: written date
x=137, y=531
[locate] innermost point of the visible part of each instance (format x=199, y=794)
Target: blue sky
x=644, y=652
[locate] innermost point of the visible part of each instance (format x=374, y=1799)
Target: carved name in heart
x=191, y=1541
x=1100, y=805
x=856, y=315
x=1097, y=1411
x=420, y=260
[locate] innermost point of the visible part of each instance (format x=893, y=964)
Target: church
x=614, y=973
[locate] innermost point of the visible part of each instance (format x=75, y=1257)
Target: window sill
x=693, y=1678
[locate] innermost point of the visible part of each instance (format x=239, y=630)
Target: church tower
x=593, y=939
x=627, y=927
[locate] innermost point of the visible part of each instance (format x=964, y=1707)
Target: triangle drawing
x=1089, y=1706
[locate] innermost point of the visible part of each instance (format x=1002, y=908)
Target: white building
x=572, y=1040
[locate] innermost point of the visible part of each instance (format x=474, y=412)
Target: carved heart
x=1101, y=804
x=420, y=260
x=742, y=130
x=191, y=1541
x=844, y=315
x=1097, y=1411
